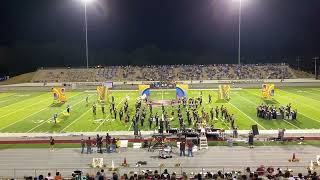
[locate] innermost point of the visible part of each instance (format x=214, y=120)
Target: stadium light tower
x=86, y=29
x=315, y=67
x=239, y=31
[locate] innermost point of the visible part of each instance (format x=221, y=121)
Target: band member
x=233, y=119
x=87, y=100
x=189, y=120
x=210, y=98
x=157, y=119
x=68, y=109
x=212, y=114
x=150, y=107
x=217, y=112
x=112, y=105
x=127, y=117
x=222, y=111
x=110, y=109
x=55, y=117
x=141, y=120
x=115, y=113
x=120, y=114
x=150, y=121
x=102, y=107
x=167, y=126
x=94, y=109
x=126, y=106
x=161, y=126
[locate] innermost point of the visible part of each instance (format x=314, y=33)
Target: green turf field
x=33, y=111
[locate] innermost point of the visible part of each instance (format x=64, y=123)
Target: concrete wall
x=133, y=85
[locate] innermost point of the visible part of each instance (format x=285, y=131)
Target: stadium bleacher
x=165, y=73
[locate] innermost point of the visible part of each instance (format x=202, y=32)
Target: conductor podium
x=158, y=143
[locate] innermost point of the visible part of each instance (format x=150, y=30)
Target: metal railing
x=67, y=172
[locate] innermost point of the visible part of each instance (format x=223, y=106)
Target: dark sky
x=272, y=30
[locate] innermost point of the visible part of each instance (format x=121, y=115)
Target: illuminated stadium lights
x=239, y=36
x=86, y=28
x=87, y=1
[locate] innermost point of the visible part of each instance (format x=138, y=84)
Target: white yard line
x=75, y=120
x=108, y=116
x=52, y=117
x=25, y=107
x=311, y=107
x=23, y=118
x=299, y=111
x=291, y=124
x=162, y=94
x=246, y=115
x=29, y=116
x=23, y=101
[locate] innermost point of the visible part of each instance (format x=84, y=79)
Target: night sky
x=36, y=33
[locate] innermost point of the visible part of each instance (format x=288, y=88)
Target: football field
x=28, y=112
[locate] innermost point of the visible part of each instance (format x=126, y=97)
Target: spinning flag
x=144, y=91
x=182, y=90
x=224, y=92
x=267, y=90
x=59, y=94
x=103, y=93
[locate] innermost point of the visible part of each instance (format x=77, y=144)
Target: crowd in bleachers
x=165, y=73
x=256, y=174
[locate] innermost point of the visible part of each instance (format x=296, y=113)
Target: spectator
x=190, y=146
x=114, y=176
x=89, y=143
x=51, y=142
x=108, y=142
x=58, y=176
x=183, y=148
x=83, y=145
x=40, y=177
x=49, y=177
x=102, y=174
x=97, y=176
x=165, y=174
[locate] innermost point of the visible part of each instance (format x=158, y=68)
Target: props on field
x=59, y=94
x=182, y=90
x=224, y=92
x=103, y=93
x=267, y=90
x=144, y=91
x=97, y=162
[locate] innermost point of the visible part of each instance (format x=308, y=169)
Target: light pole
x=298, y=60
x=239, y=35
x=315, y=66
x=86, y=30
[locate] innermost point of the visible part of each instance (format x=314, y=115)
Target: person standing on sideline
x=89, y=143
x=83, y=145
x=183, y=148
x=108, y=142
x=51, y=142
x=190, y=146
